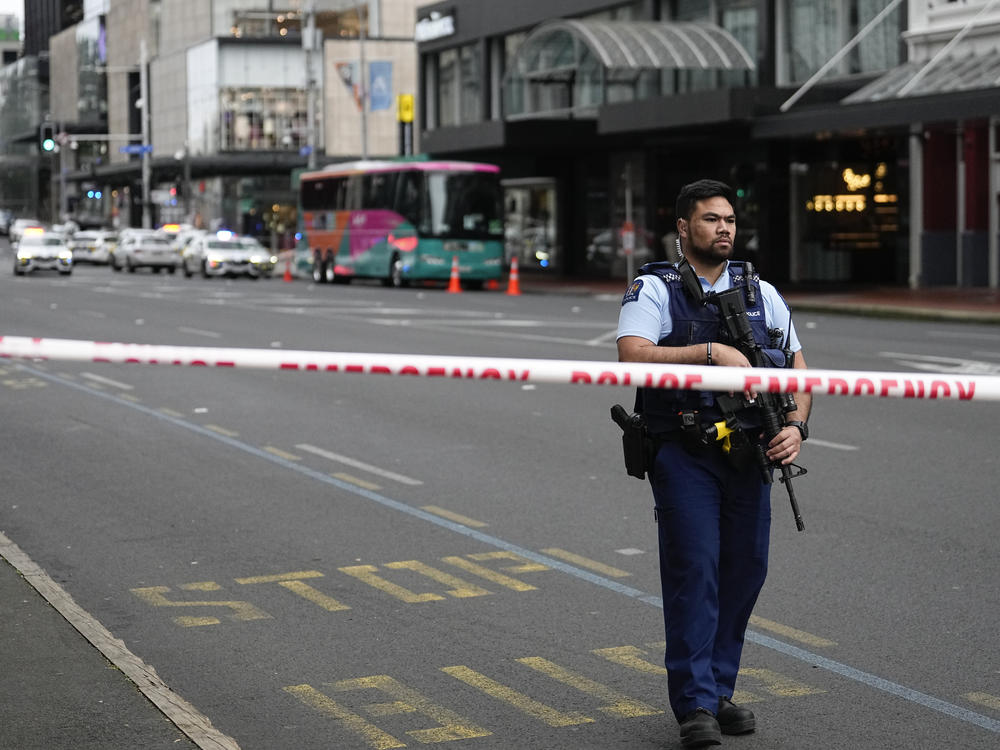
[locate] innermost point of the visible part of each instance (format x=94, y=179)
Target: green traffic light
x=48, y=145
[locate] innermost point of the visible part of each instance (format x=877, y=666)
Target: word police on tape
x=688, y=377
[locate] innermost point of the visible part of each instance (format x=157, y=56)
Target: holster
x=636, y=443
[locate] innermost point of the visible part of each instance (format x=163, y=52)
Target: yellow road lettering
x=406, y=700
x=620, y=705
x=294, y=583
x=489, y=574
x=154, y=595
x=367, y=574
x=460, y=589
x=371, y=734
x=520, y=701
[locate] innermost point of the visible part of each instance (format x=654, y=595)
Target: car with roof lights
x=42, y=251
x=225, y=254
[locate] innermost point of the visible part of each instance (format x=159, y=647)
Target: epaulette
x=664, y=269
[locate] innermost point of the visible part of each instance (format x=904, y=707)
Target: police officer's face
x=708, y=235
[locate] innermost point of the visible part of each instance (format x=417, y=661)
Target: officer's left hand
x=785, y=446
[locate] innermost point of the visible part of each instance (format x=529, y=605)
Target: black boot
x=700, y=729
x=734, y=719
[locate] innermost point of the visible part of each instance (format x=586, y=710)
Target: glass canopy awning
x=948, y=75
x=567, y=66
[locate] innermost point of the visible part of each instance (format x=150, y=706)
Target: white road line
x=106, y=381
x=200, y=332
x=358, y=464
x=835, y=446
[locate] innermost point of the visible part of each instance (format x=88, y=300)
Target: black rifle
x=771, y=406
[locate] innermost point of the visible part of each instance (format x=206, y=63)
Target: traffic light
x=47, y=137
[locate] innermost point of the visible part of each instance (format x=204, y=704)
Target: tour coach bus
x=403, y=221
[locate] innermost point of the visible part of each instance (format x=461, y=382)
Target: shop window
x=262, y=119
x=459, y=86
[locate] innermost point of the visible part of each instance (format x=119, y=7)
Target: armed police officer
x=712, y=500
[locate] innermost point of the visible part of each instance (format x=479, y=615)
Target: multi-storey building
x=599, y=111
x=202, y=110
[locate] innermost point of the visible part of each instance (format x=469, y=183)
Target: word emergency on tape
x=687, y=377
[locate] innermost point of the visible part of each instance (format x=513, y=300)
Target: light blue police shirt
x=646, y=313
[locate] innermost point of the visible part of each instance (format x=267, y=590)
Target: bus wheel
x=319, y=269
x=396, y=278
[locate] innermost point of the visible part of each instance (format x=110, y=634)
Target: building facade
x=202, y=111
x=598, y=112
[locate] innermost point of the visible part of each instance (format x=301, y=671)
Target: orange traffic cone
x=454, y=284
x=288, y=270
x=513, y=282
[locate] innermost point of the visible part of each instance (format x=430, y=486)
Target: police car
x=40, y=250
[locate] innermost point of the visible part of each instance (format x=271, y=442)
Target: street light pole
x=309, y=45
x=147, y=219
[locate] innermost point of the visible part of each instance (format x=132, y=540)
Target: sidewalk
x=58, y=692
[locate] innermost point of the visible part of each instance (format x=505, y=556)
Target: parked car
x=225, y=254
x=92, y=246
x=6, y=219
x=41, y=250
x=145, y=248
x=20, y=225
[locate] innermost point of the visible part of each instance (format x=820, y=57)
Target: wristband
x=708, y=352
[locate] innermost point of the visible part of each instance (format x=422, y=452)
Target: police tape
x=629, y=374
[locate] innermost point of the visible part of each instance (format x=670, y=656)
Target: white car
x=225, y=254
x=259, y=255
x=145, y=248
x=43, y=251
x=92, y=246
x=19, y=226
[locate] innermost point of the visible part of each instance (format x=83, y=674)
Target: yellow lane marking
x=129, y=397
x=796, y=635
x=778, y=684
x=452, y=516
x=585, y=562
x=520, y=701
x=170, y=412
x=355, y=480
x=620, y=704
x=293, y=582
x=984, y=699
x=221, y=430
x=281, y=454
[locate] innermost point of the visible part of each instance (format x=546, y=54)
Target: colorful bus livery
x=403, y=221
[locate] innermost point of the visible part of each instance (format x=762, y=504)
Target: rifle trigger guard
x=800, y=471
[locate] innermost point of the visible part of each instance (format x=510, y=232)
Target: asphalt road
x=318, y=560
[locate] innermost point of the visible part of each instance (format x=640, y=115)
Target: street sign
x=136, y=148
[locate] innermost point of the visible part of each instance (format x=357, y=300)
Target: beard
x=712, y=254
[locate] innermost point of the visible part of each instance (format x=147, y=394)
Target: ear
x=682, y=228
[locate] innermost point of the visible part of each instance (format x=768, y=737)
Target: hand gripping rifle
x=772, y=406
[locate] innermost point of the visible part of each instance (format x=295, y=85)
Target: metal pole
x=916, y=203
x=147, y=219
x=839, y=56
x=63, y=169
x=364, y=87
x=993, y=163
x=629, y=251
x=960, y=204
x=309, y=44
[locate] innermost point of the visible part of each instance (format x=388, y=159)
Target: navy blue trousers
x=714, y=526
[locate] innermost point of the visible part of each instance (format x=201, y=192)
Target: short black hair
x=699, y=191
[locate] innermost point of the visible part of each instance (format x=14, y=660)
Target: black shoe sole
x=739, y=727
x=701, y=739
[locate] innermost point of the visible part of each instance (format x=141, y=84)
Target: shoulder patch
x=632, y=293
